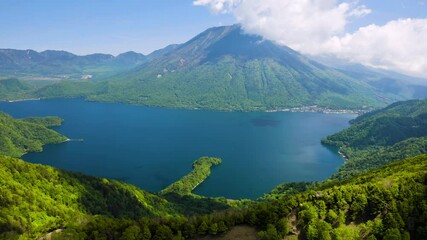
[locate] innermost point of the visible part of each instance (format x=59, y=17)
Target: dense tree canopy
x=19, y=136
x=393, y=133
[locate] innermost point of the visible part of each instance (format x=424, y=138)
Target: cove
x=153, y=147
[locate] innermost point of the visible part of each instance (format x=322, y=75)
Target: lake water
x=153, y=147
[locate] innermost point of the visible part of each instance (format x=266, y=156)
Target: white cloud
x=360, y=11
x=399, y=45
x=319, y=27
x=218, y=6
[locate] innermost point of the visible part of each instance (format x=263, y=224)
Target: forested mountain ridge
x=392, y=133
x=51, y=64
x=19, y=136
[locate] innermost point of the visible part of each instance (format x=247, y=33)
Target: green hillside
x=387, y=203
x=11, y=88
x=19, y=136
x=392, y=133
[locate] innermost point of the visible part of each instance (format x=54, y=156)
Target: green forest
x=18, y=136
x=396, y=132
x=386, y=203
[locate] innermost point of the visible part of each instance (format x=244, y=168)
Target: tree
x=146, y=234
x=222, y=227
x=282, y=226
x=131, y=233
x=346, y=233
x=331, y=217
x=213, y=229
x=163, y=232
x=392, y=234
x=270, y=233
x=203, y=228
x=178, y=236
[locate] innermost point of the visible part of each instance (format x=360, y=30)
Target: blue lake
x=153, y=147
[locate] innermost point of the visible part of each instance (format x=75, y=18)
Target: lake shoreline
x=303, y=109
x=22, y=100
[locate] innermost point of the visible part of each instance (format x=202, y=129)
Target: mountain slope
x=392, y=133
x=384, y=80
x=13, y=88
x=19, y=136
x=386, y=203
x=223, y=68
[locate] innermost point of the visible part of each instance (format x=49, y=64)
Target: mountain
x=384, y=80
x=378, y=137
x=50, y=64
x=13, y=88
x=224, y=68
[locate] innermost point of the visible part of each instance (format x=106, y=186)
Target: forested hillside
x=387, y=203
x=19, y=136
x=395, y=132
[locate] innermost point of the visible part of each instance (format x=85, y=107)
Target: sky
x=102, y=26
x=388, y=34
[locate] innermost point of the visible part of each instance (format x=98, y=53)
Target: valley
x=279, y=120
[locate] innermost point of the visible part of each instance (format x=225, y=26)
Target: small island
x=201, y=171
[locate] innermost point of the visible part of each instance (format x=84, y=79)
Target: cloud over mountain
x=318, y=27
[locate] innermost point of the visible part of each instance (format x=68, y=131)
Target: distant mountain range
x=64, y=65
x=222, y=68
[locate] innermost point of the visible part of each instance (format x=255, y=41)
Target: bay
x=153, y=147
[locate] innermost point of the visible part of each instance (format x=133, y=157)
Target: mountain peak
x=217, y=43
